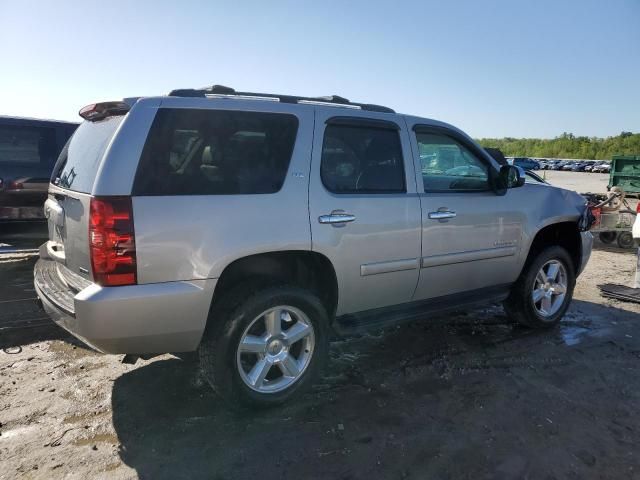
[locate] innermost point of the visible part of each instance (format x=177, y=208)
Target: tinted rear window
x=27, y=145
x=79, y=160
x=216, y=152
x=362, y=160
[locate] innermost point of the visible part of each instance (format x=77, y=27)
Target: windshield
x=78, y=162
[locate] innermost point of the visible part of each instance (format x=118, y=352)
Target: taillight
x=112, y=243
x=15, y=186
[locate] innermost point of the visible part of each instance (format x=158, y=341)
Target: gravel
x=466, y=396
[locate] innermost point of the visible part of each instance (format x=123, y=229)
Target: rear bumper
x=136, y=319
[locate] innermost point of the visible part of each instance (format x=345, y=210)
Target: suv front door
x=470, y=236
x=364, y=209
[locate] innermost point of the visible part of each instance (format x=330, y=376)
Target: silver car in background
x=248, y=225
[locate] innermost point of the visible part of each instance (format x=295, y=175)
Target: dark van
x=29, y=149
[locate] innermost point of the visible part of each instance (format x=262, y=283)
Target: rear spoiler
x=99, y=111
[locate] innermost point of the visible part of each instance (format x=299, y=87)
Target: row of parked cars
x=576, y=165
x=596, y=166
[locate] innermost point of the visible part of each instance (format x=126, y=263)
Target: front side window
x=361, y=159
x=27, y=145
x=447, y=165
x=216, y=152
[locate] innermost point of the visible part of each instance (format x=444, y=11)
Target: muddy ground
x=467, y=396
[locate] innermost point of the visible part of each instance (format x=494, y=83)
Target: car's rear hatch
x=68, y=205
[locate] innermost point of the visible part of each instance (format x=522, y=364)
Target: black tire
x=228, y=320
x=519, y=305
x=625, y=240
x=607, y=237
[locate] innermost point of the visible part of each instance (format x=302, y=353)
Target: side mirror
x=509, y=176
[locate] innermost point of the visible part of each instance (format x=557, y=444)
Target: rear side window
x=359, y=159
x=216, y=152
x=79, y=160
x=27, y=145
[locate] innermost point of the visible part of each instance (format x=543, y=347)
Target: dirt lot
x=466, y=396
x=583, y=182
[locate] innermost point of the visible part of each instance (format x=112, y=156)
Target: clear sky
x=519, y=68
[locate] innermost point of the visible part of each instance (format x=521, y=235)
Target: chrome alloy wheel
x=275, y=349
x=549, y=288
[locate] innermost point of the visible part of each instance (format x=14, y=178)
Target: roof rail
x=221, y=90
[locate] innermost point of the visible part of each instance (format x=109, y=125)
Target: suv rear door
x=68, y=203
x=364, y=211
x=470, y=236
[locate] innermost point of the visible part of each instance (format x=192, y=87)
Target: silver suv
x=248, y=226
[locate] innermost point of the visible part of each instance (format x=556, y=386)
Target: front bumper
x=136, y=319
x=586, y=244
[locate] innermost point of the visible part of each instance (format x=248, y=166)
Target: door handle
x=441, y=214
x=336, y=218
x=53, y=209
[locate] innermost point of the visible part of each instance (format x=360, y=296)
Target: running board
x=377, y=318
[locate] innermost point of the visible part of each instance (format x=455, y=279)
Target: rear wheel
x=543, y=292
x=261, y=348
x=625, y=240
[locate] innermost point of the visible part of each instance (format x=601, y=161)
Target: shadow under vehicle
x=429, y=399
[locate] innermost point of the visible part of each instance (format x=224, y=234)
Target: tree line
x=567, y=146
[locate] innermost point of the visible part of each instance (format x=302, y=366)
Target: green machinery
x=625, y=173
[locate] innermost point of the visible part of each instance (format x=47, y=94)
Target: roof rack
x=221, y=90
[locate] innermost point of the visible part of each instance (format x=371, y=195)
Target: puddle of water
x=99, y=438
x=112, y=466
x=573, y=335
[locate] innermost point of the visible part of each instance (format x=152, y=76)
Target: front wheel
x=542, y=294
x=607, y=237
x=261, y=348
